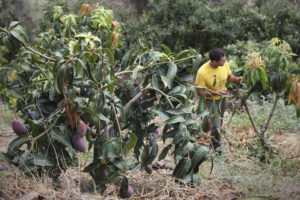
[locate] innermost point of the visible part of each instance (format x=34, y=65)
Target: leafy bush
x=205, y=24
x=69, y=74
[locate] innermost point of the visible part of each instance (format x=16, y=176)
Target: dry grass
x=235, y=175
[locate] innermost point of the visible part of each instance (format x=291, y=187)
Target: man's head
x=217, y=56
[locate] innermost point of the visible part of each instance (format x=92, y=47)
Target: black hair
x=216, y=54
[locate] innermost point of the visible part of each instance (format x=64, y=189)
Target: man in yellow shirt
x=212, y=77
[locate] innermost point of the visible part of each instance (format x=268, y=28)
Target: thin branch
x=167, y=96
x=160, y=63
x=117, y=117
x=250, y=118
x=271, y=113
x=134, y=99
x=38, y=53
x=31, y=49
x=123, y=72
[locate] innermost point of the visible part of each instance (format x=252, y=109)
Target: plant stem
x=167, y=96
x=250, y=118
x=134, y=99
x=272, y=112
x=262, y=133
x=38, y=53
x=160, y=63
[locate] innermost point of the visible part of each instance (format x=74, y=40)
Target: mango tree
x=72, y=94
x=270, y=69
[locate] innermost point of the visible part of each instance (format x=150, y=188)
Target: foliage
x=7, y=10
x=70, y=73
x=268, y=67
x=206, y=24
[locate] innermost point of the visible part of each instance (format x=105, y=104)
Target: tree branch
x=38, y=53
x=271, y=113
x=250, y=117
x=160, y=63
x=134, y=99
x=167, y=96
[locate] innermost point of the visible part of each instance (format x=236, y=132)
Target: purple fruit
x=149, y=169
x=81, y=129
x=103, y=176
x=18, y=127
x=79, y=143
x=157, y=131
x=89, y=91
x=129, y=191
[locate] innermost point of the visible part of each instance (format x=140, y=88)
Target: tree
x=270, y=69
x=68, y=77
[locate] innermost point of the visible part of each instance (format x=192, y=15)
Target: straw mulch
x=76, y=185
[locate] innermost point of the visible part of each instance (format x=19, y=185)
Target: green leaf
x=20, y=29
x=124, y=188
x=41, y=160
x=64, y=140
x=110, y=55
x=201, y=104
x=152, y=155
x=198, y=155
x=18, y=36
x=16, y=143
x=145, y=154
x=196, y=63
x=182, y=150
x=120, y=164
x=126, y=58
x=182, y=134
x=13, y=24
x=162, y=114
x=220, y=106
x=59, y=80
x=175, y=119
x=164, y=80
x=131, y=143
x=164, y=152
x=155, y=81
x=233, y=112
x=182, y=54
x=182, y=168
x=113, y=178
x=171, y=74
x=16, y=93
x=166, y=49
x=196, y=179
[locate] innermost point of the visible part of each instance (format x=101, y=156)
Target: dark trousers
x=217, y=121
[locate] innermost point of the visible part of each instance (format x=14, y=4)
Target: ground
x=236, y=175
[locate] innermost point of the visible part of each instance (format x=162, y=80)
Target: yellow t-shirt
x=213, y=78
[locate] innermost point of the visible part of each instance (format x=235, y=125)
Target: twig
x=123, y=72
x=38, y=53
x=250, y=118
x=134, y=99
x=160, y=63
x=117, y=119
x=272, y=112
x=167, y=96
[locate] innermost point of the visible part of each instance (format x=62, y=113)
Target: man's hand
x=233, y=79
x=222, y=92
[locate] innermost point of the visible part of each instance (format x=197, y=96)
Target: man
x=213, y=75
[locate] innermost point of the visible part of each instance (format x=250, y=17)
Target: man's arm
x=233, y=79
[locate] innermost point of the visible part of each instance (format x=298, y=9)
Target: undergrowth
x=284, y=118
x=279, y=177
